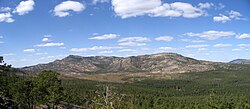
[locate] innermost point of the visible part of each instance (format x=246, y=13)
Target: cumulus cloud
x=133, y=8
x=29, y=50
x=243, y=36
x=5, y=9
x=156, y=8
x=205, y=5
x=211, y=35
x=6, y=17
x=45, y=39
x=24, y=7
x=197, y=46
x=235, y=15
x=50, y=45
x=164, y=38
x=222, y=45
x=221, y=6
x=105, y=36
x=221, y=18
x=100, y=1
x=62, y=9
x=94, y=48
x=232, y=15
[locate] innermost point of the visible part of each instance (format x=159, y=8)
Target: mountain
x=240, y=61
x=165, y=63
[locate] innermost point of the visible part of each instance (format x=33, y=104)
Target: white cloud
x=105, y=52
x=94, y=48
x=221, y=6
x=232, y=15
x=211, y=35
x=1, y=37
x=221, y=18
x=155, y=8
x=45, y=39
x=222, y=45
x=1, y=42
x=244, y=45
x=62, y=10
x=243, y=36
x=6, y=17
x=132, y=44
x=105, y=36
x=134, y=39
x=29, y=50
x=237, y=49
x=133, y=8
x=205, y=5
x=24, y=7
x=50, y=45
x=197, y=46
x=167, y=48
x=164, y=38
x=202, y=49
x=100, y=1
x=5, y=9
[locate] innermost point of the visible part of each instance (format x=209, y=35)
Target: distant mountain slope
x=240, y=61
x=156, y=63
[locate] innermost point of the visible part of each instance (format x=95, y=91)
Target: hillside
x=165, y=63
x=240, y=61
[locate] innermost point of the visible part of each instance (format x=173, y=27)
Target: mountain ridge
x=240, y=61
x=155, y=63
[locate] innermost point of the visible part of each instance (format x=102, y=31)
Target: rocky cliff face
x=156, y=63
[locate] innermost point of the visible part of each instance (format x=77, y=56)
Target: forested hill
x=166, y=63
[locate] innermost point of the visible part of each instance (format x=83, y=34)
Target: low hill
x=240, y=61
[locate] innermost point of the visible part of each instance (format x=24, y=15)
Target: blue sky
x=40, y=31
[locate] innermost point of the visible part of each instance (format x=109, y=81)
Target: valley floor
x=212, y=89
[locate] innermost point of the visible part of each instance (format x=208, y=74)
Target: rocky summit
x=166, y=63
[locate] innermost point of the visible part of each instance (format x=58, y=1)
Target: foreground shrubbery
x=46, y=90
